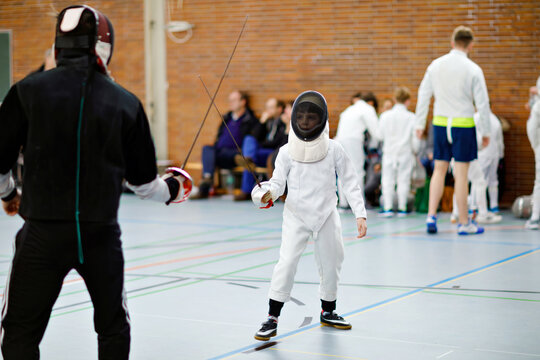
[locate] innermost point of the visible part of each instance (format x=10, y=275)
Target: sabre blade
x=215, y=93
x=230, y=134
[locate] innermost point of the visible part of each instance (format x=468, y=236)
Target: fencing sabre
x=270, y=203
x=215, y=93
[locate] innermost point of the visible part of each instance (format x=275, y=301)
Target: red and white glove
x=185, y=184
x=262, y=196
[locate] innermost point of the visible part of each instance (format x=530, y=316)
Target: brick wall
x=33, y=24
x=341, y=47
x=337, y=47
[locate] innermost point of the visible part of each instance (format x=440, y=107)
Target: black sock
x=275, y=308
x=328, y=306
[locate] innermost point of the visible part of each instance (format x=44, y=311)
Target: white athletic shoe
x=488, y=218
x=268, y=329
x=532, y=224
x=454, y=218
x=470, y=229
x=334, y=320
x=386, y=214
x=402, y=213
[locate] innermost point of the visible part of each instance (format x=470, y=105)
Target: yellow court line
x=318, y=354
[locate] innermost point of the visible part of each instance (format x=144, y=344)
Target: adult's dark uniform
x=81, y=135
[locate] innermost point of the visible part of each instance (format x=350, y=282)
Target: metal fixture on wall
x=177, y=26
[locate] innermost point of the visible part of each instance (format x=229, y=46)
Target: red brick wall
x=33, y=23
x=338, y=47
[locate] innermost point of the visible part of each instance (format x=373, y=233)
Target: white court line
x=446, y=353
x=394, y=340
x=318, y=354
x=508, y=352
x=254, y=326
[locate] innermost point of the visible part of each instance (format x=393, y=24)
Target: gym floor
x=197, y=276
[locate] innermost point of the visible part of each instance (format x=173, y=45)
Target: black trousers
x=44, y=254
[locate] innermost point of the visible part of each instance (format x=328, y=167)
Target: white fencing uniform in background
x=396, y=131
x=490, y=156
x=477, y=197
x=533, y=132
x=353, y=122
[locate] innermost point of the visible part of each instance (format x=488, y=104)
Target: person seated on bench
x=266, y=137
x=241, y=121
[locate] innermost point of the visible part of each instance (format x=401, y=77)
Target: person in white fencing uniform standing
x=458, y=85
x=353, y=122
x=477, y=200
x=489, y=158
x=308, y=165
x=396, y=130
x=483, y=176
x=533, y=132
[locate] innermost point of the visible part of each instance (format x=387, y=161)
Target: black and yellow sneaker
x=334, y=320
x=267, y=330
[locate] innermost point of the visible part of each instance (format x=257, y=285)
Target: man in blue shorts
x=458, y=85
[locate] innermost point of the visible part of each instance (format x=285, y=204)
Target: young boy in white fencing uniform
x=353, y=122
x=396, y=130
x=489, y=157
x=308, y=165
x=533, y=132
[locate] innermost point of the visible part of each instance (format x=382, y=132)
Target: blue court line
x=461, y=239
x=300, y=330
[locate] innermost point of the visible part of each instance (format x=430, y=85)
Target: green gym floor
x=197, y=276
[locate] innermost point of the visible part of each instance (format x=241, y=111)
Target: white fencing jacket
x=533, y=127
x=495, y=148
x=396, y=130
x=355, y=120
x=458, y=85
x=312, y=186
x=535, y=98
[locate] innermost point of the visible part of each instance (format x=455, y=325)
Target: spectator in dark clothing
x=241, y=121
x=372, y=188
x=286, y=118
x=266, y=137
x=425, y=154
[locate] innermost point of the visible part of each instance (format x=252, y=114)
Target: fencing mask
x=84, y=28
x=308, y=140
